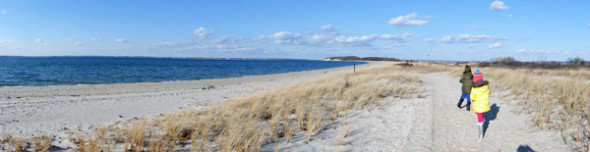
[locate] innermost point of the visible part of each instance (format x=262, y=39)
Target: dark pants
x=464, y=95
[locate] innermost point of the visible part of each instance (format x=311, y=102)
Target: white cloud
x=3, y=12
x=495, y=45
x=121, y=40
x=388, y=36
x=166, y=44
x=202, y=32
x=498, y=5
x=396, y=44
x=284, y=37
x=589, y=25
x=333, y=40
x=327, y=27
x=68, y=39
x=355, y=39
x=8, y=46
x=226, y=39
x=370, y=40
x=4, y=42
x=411, y=19
x=524, y=50
x=96, y=39
x=468, y=38
x=399, y=38
x=39, y=40
x=319, y=38
x=430, y=40
x=78, y=44
x=472, y=45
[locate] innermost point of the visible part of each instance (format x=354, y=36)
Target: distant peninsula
x=356, y=58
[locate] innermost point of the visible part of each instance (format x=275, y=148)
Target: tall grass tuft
x=42, y=143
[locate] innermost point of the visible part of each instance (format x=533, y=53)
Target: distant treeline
x=511, y=62
x=356, y=58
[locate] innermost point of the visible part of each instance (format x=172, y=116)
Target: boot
x=480, y=125
x=468, y=106
x=459, y=103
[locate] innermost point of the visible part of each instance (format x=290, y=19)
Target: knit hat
x=467, y=68
x=477, y=76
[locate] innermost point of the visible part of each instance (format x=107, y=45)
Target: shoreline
x=56, y=109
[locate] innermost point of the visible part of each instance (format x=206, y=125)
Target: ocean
x=40, y=71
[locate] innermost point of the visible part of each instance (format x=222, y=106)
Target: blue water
x=27, y=71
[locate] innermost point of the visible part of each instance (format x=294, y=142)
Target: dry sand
x=433, y=123
x=42, y=110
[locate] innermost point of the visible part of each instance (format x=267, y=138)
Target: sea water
x=32, y=71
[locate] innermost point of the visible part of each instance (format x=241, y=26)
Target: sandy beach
x=49, y=110
x=429, y=121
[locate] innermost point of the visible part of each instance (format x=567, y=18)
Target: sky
x=458, y=30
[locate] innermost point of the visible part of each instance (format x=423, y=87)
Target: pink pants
x=479, y=117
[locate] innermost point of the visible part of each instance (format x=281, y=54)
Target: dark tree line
x=512, y=62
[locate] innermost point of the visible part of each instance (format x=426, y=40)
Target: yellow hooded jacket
x=480, y=99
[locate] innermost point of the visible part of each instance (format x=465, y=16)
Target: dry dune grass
x=557, y=99
x=246, y=123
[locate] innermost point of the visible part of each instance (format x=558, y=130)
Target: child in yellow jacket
x=480, y=100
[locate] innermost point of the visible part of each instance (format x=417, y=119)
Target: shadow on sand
x=489, y=116
x=524, y=148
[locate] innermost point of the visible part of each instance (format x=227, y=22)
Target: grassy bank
x=557, y=99
x=246, y=123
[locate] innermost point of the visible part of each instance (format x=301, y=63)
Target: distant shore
x=62, y=108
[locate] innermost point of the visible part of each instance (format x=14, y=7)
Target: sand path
x=433, y=123
x=441, y=126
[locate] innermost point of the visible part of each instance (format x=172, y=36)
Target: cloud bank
x=326, y=37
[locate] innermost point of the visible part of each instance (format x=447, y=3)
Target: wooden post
x=354, y=68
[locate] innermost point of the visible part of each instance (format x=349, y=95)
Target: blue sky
x=474, y=30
